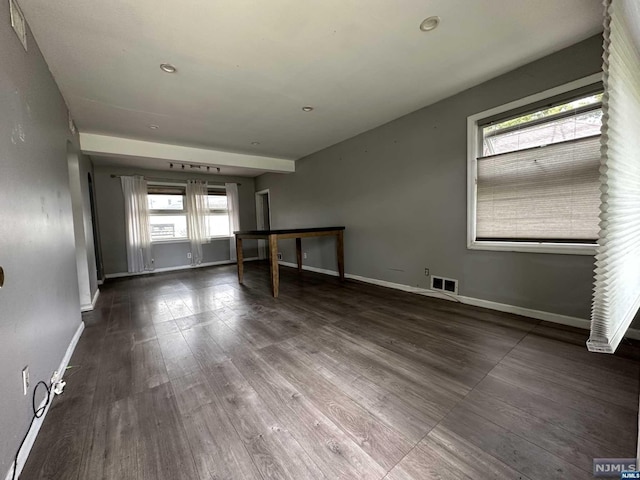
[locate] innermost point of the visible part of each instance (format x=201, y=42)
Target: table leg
x=275, y=273
x=299, y=253
x=239, y=258
x=340, y=248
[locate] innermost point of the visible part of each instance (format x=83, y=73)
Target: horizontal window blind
x=546, y=193
x=616, y=296
x=166, y=190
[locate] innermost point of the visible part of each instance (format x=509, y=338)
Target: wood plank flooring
x=188, y=375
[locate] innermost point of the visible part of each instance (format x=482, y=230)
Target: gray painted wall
x=110, y=206
x=39, y=305
x=400, y=189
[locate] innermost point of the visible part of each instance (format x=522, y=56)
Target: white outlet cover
x=18, y=22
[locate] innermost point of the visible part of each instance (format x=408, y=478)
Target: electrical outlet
x=304, y=255
x=279, y=256
x=25, y=380
x=426, y=272
x=189, y=255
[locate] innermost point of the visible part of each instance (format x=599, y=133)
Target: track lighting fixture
x=193, y=166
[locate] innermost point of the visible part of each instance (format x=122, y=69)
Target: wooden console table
x=272, y=236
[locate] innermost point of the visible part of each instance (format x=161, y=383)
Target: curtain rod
x=171, y=180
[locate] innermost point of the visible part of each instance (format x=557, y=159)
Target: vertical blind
x=616, y=296
x=548, y=193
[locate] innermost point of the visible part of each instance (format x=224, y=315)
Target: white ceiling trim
x=94, y=144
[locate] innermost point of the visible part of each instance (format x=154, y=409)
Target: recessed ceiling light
x=307, y=109
x=255, y=143
x=430, y=23
x=168, y=68
x=154, y=127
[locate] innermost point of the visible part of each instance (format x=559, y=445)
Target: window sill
x=172, y=240
x=535, y=247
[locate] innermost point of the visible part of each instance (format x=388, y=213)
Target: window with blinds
x=218, y=218
x=616, y=293
x=537, y=174
x=168, y=213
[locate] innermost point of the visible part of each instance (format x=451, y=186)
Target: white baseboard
x=173, y=269
x=92, y=305
x=37, y=423
x=95, y=297
x=311, y=269
x=478, y=302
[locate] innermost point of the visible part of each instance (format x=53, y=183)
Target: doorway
x=94, y=226
x=263, y=218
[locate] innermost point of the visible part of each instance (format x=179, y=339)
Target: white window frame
x=473, y=147
x=181, y=212
x=170, y=213
x=224, y=192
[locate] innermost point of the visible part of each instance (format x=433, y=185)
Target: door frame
x=262, y=247
x=94, y=227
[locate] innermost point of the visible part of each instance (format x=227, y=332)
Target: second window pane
x=168, y=227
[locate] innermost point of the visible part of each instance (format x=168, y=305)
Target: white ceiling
x=246, y=67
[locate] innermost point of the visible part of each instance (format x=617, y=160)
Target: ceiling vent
x=18, y=22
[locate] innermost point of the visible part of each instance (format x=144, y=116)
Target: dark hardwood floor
x=191, y=376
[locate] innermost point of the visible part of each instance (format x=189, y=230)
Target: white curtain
x=234, y=215
x=197, y=211
x=616, y=294
x=136, y=211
